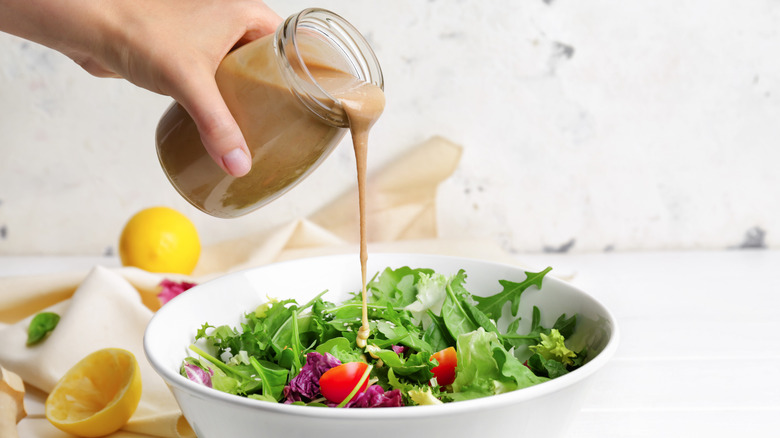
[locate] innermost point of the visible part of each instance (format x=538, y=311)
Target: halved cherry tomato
x=339, y=381
x=445, y=371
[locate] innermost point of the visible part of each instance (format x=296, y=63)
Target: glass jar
x=290, y=122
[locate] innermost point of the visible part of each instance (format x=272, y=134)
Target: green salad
x=432, y=341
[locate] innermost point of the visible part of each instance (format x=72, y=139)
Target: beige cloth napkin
x=111, y=307
x=105, y=310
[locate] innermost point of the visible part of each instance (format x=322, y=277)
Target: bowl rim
x=551, y=386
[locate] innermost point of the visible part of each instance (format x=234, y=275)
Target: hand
x=172, y=47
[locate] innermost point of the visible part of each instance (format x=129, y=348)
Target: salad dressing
x=363, y=103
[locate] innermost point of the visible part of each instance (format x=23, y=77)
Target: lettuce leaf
x=553, y=346
x=431, y=291
x=486, y=368
x=396, y=286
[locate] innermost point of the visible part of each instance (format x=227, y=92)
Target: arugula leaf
x=407, y=335
x=437, y=335
x=493, y=305
x=341, y=348
x=513, y=370
x=272, y=378
x=456, y=318
x=459, y=312
x=263, y=397
x=41, y=325
x=397, y=383
x=480, y=317
x=565, y=325
x=287, y=343
x=235, y=379
x=416, y=366
x=546, y=367
x=222, y=382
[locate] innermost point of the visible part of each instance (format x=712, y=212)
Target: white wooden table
x=700, y=347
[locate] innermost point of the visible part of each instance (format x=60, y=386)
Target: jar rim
x=340, y=35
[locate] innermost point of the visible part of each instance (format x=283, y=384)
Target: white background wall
x=591, y=125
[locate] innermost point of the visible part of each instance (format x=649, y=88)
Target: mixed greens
x=431, y=342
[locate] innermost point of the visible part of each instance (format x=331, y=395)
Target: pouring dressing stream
x=363, y=103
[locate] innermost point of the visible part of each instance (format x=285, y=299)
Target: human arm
x=172, y=47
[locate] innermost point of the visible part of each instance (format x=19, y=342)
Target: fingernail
x=237, y=162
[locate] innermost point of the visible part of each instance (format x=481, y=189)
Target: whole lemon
x=160, y=239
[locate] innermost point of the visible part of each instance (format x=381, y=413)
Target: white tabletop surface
x=700, y=347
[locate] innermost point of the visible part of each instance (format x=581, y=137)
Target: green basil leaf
x=40, y=326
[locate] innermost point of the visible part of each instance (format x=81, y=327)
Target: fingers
x=183, y=65
x=261, y=21
x=218, y=130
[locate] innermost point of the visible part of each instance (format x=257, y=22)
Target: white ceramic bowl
x=544, y=410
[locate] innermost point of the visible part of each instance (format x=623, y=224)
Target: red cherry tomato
x=445, y=371
x=339, y=381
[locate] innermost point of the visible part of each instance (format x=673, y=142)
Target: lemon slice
x=160, y=239
x=98, y=395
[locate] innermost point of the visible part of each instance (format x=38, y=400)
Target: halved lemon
x=98, y=395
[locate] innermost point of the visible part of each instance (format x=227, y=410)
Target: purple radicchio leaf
x=306, y=385
x=399, y=349
x=170, y=289
x=198, y=374
x=375, y=397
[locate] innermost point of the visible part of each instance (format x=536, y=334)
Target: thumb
x=218, y=130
